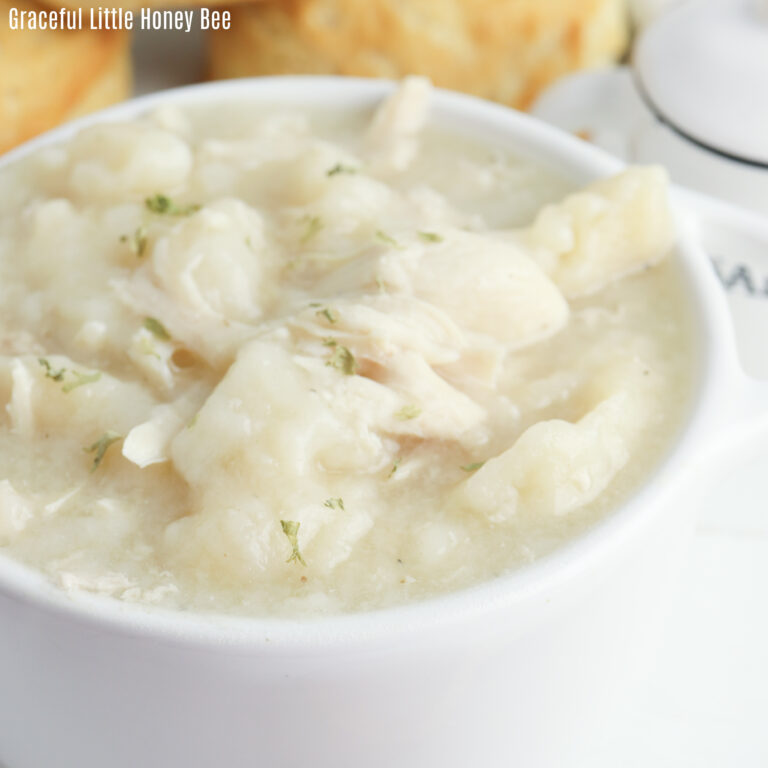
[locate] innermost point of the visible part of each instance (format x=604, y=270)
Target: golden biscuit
x=111, y=86
x=48, y=76
x=506, y=50
x=135, y=5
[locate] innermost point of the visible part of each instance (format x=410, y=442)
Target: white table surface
x=706, y=703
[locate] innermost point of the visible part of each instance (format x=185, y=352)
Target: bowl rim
x=526, y=586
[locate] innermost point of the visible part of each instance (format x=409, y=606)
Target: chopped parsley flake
x=312, y=225
x=191, y=423
x=80, y=380
x=340, y=168
x=474, y=466
x=343, y=360
x=328, y=314
x=408, y=412
x=101, y=446
x=156, y=328
x=329, y=342
x=137, y=242
x=388, y=239
x=395, y=465
x=49, y=372
x=163, y=205
x=430, y=237
x=291, y=530
x=337, y=503
x=59, y=376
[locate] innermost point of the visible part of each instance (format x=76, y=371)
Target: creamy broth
x=305, y=363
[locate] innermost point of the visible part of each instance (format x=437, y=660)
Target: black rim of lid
x=683, y=134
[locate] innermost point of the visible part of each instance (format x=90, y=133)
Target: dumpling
x=213, y=262
x=555, y=467
x=55, y=393
x=267, y=447
x=489, y=287
x=112, y=161
x=613, y=227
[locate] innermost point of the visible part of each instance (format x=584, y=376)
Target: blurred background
x=506, y=50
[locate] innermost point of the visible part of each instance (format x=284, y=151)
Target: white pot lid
x=703, y=68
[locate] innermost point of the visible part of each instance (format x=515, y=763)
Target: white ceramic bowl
x=509, y=673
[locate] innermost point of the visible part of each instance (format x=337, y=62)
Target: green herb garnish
x=328, y=314
x=343, y=360
x=163, y=205
x=101, y=446
x=312, y=225
x=291, y=530
x=340, y=168
x=191, y=423
x=59, y=376
x=430, y=237
x=156, y=328
x=80, y=380
x=137, y=242
x=336, y=503
x=329, y=342
x=49, y=372
x=408, y=412
x=395, y=465
x=388, y=239
x=473, y=466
